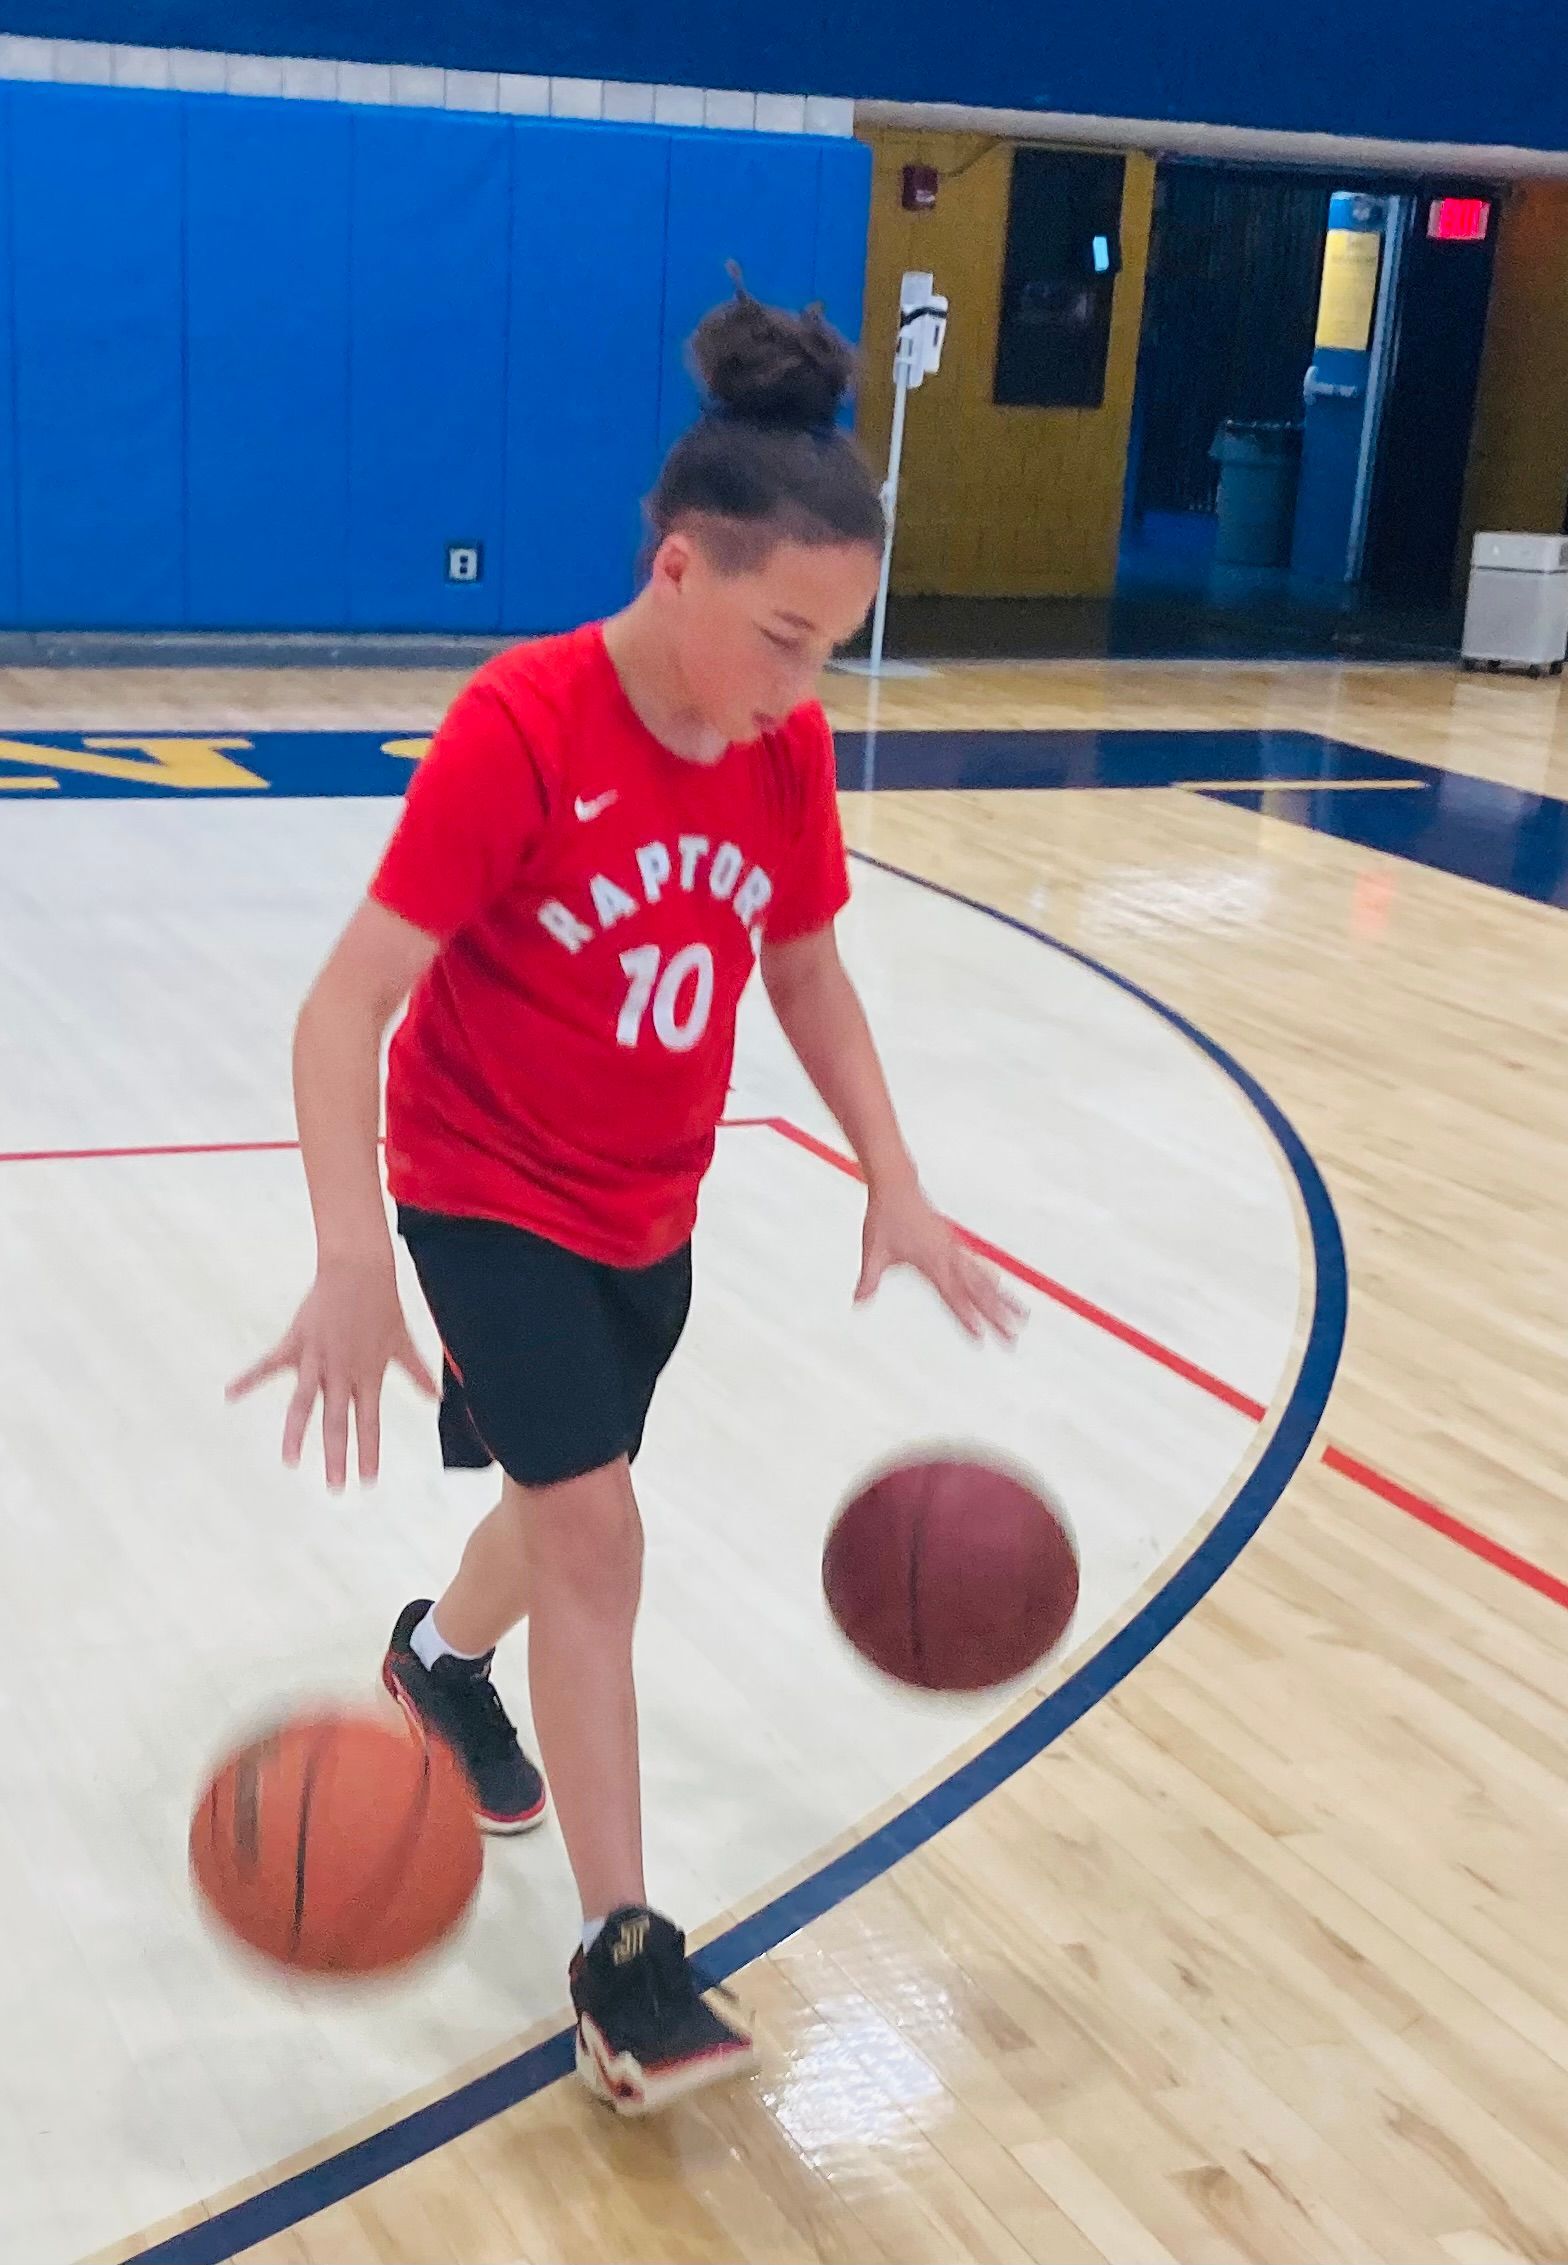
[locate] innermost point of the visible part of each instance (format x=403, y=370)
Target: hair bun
x=771, y=367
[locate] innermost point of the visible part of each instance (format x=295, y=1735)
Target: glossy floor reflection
x=1476, y=829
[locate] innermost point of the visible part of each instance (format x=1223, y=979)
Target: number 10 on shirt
x=678, y=1021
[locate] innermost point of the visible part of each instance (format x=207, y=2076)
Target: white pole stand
x=922, y=326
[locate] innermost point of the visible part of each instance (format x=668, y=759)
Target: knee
x=585, y=1536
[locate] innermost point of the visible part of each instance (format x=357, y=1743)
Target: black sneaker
x=646, y=2034
x=456, y=1700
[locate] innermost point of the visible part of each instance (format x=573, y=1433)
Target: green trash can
x=1260, y=465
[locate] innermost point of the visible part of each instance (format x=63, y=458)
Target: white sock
x=592, y=1930
x=428, y=1644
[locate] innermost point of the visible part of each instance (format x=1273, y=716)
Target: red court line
x=1444, y=1522
x=1398, y=1497
x=171, y=1148
x=1387, y=1490
x=212, y=1148
x=1085, y=1308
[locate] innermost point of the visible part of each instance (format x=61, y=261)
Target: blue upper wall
x=1446, y=70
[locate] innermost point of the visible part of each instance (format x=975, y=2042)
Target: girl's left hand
x=902, y=1229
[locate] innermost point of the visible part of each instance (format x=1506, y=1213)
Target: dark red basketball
x=336, y=1845
x=951, y=1575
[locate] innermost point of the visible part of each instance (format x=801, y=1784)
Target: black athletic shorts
x=551, y=1359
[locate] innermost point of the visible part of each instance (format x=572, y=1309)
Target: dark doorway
x=1235, y=260
x=1424, y=445
x=1230, y=312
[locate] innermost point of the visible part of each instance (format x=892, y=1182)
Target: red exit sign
x=1459, y=220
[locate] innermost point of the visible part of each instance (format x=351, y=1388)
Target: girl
x=609, y=828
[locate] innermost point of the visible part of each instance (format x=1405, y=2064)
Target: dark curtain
x=1235, y=261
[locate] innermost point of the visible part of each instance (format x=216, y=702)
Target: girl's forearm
x=826, y=1025
x=337, y=1104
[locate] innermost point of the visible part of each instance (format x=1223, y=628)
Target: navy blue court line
x=1475, y=829
x=311, y=2191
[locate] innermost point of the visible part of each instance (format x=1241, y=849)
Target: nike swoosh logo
x=599, y=804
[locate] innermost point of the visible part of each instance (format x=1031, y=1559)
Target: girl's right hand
x=339, y=1346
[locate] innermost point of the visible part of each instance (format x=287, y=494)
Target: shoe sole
x=496, y=1828
x=629, y=2090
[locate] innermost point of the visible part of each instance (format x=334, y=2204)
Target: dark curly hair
x=767, y=462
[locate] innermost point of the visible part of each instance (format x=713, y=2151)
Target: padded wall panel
x=267, y=269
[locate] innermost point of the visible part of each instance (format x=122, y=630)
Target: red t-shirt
x=599, y=903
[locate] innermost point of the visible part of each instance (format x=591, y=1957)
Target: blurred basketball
x=335, y=1845
x=950, y=1575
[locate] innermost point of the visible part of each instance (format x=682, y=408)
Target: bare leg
x=488, y=1595
x=583, y=1587
x=585, y=1578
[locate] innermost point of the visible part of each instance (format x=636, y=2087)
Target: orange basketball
x=335, y=1845
x=951, y=1575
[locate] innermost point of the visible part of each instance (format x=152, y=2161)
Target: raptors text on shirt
x=599, y=904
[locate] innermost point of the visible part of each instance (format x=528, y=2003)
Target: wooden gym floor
x=1252, y=1949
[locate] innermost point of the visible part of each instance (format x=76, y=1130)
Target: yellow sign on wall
x=1349, y=296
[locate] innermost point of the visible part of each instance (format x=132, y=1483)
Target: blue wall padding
x=97, y=212
x=267, y=363
x=10, y=593
x=843, y=198
x=732, y=196
x=587, y=311
x=263, y=362
x=432, y=232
